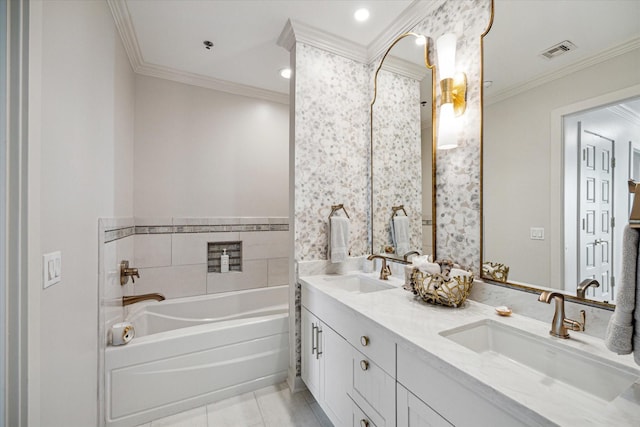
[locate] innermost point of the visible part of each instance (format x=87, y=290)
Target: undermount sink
x=357, y=284
x=555, y=361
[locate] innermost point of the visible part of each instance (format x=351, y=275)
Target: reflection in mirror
x=401, y=151
x=560, y=135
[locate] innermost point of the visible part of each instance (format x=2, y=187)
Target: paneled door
x=596, y=211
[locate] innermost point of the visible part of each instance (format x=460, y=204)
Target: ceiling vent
x=559, y=49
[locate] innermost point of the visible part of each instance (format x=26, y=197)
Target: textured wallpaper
x=457, y=218
x=331, y=149
x=397, y=168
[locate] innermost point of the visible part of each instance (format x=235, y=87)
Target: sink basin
x=551, y=360
x=357, y=284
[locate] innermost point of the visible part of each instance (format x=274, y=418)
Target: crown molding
x=212, y=83
x=598, y=58
x=409, y=18
x=404, y=68
x=123, y=23
x=625, y=113
x=298, y=32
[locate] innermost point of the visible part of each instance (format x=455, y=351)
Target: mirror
x=402, y=151
x=553, y=93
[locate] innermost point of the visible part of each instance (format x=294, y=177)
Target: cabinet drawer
x=374, y=342
x=359, y=418
x=373, y=390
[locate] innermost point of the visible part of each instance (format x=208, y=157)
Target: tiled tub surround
x=171, y=255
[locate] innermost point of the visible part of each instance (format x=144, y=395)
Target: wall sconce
x=453, y=88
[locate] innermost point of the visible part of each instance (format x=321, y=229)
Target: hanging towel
x=400, y=227
x=338, y=238
x=623, y=331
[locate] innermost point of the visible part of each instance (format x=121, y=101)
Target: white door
x=595, y=211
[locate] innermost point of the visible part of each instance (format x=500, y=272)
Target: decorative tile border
x=201, y=225
x=118, y=233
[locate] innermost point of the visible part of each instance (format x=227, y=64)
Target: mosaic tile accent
x=118, y=233
x=331, y=149
x=397, y=165
x=458, y=170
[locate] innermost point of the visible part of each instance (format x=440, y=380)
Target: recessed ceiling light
x=421, y=40
x=361, y=15
x=285, y=73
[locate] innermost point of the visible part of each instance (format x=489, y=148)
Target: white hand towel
x=401, y=234
x=338, y=238
x=623, y=331
x=423, y=264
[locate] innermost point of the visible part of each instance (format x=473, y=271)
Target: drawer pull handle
x=364, y=365
x=364, y=340
x=364, y=423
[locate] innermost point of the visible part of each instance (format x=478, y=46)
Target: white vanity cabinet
x=413, y=412
x=326, y=367
x=448, y=402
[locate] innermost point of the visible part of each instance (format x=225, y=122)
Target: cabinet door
x=335, y=366
x=308, y=348
x=413, y=412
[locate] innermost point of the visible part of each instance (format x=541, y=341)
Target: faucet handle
x=574, y=325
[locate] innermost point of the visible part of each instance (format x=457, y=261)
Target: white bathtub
x=188, y=352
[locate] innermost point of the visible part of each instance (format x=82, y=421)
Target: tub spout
x=137, y=298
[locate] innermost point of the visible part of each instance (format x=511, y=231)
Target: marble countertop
x=417, y=326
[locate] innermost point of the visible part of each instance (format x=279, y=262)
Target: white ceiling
x=168, y=35
x=522, y=29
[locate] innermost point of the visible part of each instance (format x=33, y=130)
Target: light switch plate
x=536, y=233
x=51, y=268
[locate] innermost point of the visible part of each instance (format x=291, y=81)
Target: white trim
x=625, y=113
x=621, y=49
x=298, y=32
x=122, y=20
x=212, y=83
x=404, y=68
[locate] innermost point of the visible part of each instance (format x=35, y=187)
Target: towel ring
x=396, y=209
x=336, y=208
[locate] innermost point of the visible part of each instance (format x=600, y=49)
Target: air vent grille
x=559, y=49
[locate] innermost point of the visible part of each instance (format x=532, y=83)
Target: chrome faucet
x=582, y=287
x=560, y=324
x=126, y=272
x=138, y=298
x=385, y=271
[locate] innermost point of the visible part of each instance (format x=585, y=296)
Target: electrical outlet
x=536, y=233
x=51, y=268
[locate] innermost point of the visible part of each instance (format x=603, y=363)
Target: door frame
x=556, y=170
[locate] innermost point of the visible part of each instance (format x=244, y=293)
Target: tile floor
x=272, y=406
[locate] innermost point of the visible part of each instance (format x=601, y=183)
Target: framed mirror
x=402, y=161
x=560, y=103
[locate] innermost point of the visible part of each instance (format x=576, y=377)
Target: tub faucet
x=408, y=254
x=582, y=287
x=559, y=324
x=385, y=271
x=126, y=272
x=128, y=300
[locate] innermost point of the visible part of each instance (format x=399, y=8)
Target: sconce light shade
x=447, y=129
x=446, y=48
x=453, y=92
